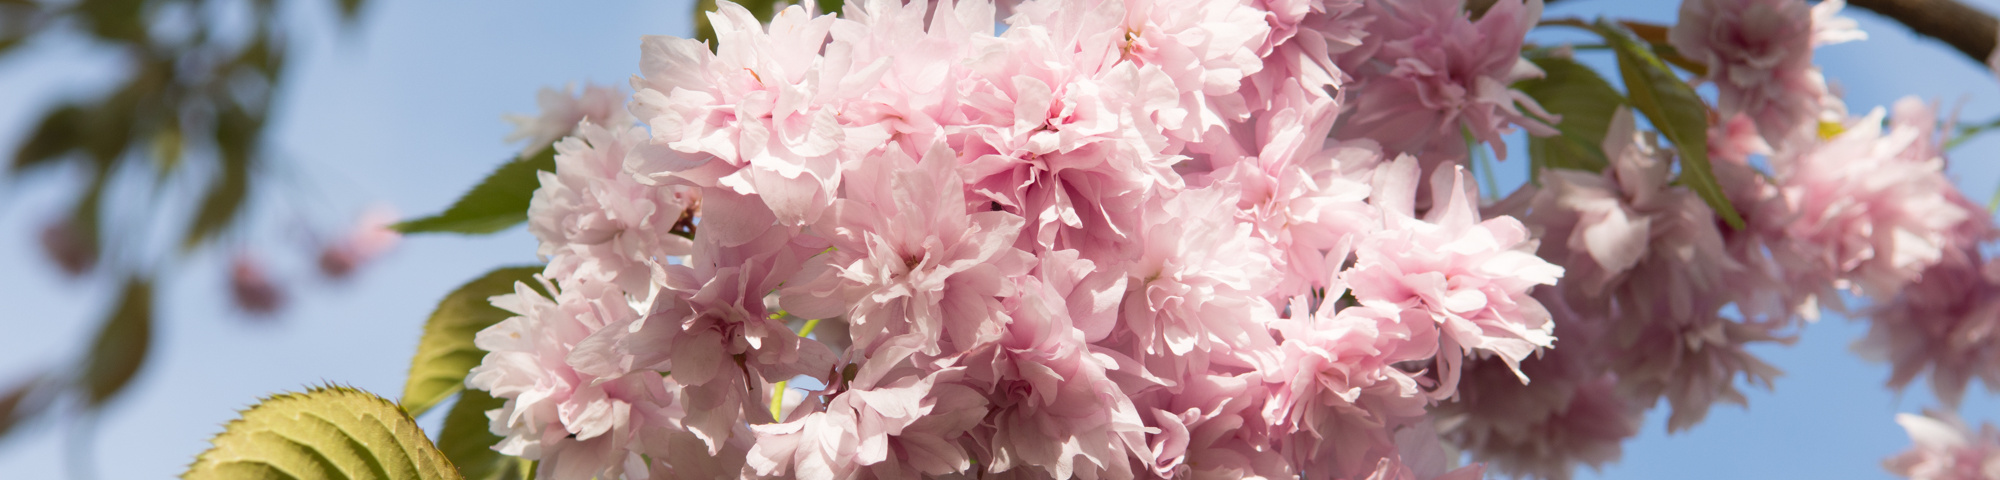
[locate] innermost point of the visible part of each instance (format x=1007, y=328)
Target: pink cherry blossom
x=1946, y=449
x=908, y=258
x=1759, y=55
x=751, y=116
x=591, y=204
x=1470, y=276
x=1430, y=72
x=370, y=238
x=579, y=425
x=1873, y=207
x=563, y=109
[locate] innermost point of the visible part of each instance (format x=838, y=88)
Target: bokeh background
x=404, y=108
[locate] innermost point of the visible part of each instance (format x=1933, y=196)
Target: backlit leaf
x=498, y=202
x=325, y=433
x=446, y=353
x=1676, y=111
x=468, y=442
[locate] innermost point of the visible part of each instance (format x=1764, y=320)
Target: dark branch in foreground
x=1967, y=29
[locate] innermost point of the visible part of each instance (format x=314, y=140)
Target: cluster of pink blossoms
x=1661, y=298
x=1190, y=239
x=1113, y=241
x=1946, y=449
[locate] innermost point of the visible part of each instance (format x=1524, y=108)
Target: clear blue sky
x=406, y=110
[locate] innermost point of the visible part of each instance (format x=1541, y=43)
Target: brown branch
x=1967, y=29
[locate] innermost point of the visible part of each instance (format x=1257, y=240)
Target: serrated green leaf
x=325, y=433
x=1676, y=111
x=468, y=442
x=121, y=345
x=446, y=353
x=1586, y=102
x=498, y=202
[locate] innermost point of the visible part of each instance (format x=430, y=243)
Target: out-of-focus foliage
x=190, y=113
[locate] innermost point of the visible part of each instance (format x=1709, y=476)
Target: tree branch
x=1967, y=29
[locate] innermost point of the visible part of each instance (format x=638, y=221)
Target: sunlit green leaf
x=121, y=345
x=446, y=353
x=1676, y=111
x=468, y=442
x=325, y=433
x=498, y=202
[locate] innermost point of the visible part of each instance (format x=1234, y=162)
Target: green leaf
x=235, y=137
x=498, y=202
x=829, y=6
x=121, y=345
x=325, y=433
x=350, y=10
x=446, y=353
x=1676, y=111
x=1586, y=102
x=62, y=130
x=468, y=442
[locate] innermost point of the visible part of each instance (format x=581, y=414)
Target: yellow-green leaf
x=121, y=345
x=468, y=442
x=498, y=202
x=1676, y=111
x=446, y=353
x=325, y=433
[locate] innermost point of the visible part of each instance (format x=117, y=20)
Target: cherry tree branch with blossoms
x=1187, y=239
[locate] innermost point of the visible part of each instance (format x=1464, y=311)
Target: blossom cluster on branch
x=1204, y=239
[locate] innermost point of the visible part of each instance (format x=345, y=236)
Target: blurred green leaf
x=350, y=10
x=119, y=20
x=446, y=353
x=468, y=441
x=1676, y=111
x=829, y=6
x=222, y=203
x=62, y=130
x=121, y=345
x=1586, y=102
x=325, y=433
x=498, y=202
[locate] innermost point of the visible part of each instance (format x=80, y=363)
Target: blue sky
x=405, y=109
